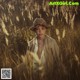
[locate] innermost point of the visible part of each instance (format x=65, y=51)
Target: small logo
x=6, y=73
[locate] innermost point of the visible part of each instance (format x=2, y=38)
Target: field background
x=16, y=17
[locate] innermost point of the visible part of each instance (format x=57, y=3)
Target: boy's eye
x=43, y=28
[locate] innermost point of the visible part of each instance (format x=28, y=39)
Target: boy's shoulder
x=32, y=41
x=49, y=38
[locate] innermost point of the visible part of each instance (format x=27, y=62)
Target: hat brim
x=33, y=28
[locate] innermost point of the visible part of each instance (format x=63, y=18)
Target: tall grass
x=16, y=19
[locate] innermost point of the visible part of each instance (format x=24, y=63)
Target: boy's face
x=40, y=31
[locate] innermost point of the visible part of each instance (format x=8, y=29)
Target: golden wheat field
x=16, y=17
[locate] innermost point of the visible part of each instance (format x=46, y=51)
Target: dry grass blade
x=4, y=28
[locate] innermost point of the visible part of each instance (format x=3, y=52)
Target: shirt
x=42, y=59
